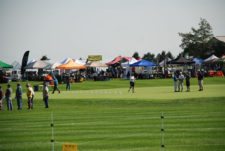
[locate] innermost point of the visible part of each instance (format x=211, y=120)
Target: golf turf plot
x=115, y=120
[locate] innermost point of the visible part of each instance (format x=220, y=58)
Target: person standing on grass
x=180, y=82
x=187, y=79
x=45, y=94
x=68, y=82
x=29, y=96
x=132, y=83
x=55, y=85
x=200, y=77
x=32, y=98
x=19, y=96
x=175, y=81
x=1, y=98
x=8, y=95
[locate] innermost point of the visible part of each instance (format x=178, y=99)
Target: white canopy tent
x=126, y=65
x=211, y=59
x=164, y=62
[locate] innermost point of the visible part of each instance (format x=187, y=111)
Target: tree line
x=199, y=42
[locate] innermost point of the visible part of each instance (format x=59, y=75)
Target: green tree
x=161, y=56
x=43, y=58
x=169, y=55
x=136, y=55
x=217, y=47
x=149, y=56
x=195, y=43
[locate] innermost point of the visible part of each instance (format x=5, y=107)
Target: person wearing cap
x=29, y=96
x=1, y=98
x=8, y=95
x=19, y=96
x=45, y=94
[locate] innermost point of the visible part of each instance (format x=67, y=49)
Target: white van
x=16, y=75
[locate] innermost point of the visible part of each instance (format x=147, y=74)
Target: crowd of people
x=7, y=96
x=179, y=78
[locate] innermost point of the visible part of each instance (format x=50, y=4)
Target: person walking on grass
x=8, y=98
x=132, y=83
x=1, y=98
x=55, y=85
x=29, y=96
x=19, y=96
x=45, y=94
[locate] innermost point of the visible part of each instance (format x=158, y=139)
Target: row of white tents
x=39, y=64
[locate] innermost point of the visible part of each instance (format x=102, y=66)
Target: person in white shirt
x=132, y=83
x=45, y=94
x=181, y=82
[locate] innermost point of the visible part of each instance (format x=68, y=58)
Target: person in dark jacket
x=8, y=98
x=55, y=85
x=200, y=77
x=175, y=81
x=1, y=98
x=68, y=82
x=19, y=96
x=187, y=79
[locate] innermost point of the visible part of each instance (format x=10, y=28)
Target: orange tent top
x=48, y=77
x=71, y=65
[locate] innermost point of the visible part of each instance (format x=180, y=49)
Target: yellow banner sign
x=70, y=147
x=94, y=57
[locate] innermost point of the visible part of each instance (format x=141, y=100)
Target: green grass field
x=103, y=116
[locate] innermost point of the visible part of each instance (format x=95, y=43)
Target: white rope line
x=197, y=145
x=99, y=92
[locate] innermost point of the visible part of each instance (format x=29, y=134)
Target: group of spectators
x=179, y=78
x=7, y=96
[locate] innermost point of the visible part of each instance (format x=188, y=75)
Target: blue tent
x=143, y=63
x=198, y=61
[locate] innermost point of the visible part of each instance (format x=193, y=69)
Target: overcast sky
x=78, y=28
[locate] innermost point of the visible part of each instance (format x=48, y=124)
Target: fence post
x=52, y=139
x=162, y=147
